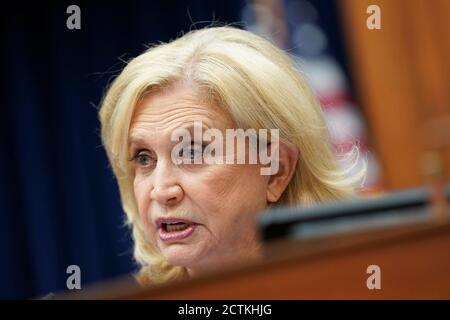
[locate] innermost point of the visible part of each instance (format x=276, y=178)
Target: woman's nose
x=166, y=189
x=167, y=195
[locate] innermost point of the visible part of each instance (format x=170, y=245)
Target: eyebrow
x=136, y=139
x=139, y=138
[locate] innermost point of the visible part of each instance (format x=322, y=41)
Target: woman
x=188, y=217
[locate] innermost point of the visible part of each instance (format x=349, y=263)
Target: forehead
x=160, y=112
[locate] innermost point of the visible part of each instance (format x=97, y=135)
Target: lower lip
x=176, y=235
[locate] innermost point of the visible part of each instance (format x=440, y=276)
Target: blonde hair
x=256, y=83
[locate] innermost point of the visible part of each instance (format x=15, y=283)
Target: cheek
x=226, y=193
x=242, y=183
x=140, y=187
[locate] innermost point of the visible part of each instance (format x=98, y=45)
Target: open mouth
x=177, y=226
x=174, y=229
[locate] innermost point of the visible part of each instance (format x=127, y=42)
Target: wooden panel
x=413, y=266
x=414, y=263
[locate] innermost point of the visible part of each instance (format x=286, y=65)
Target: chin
x=180, y=255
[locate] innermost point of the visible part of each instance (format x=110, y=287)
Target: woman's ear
x=287, y=162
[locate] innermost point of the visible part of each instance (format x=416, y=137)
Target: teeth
x=176, y=227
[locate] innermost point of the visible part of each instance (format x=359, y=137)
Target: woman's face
x=200, y=216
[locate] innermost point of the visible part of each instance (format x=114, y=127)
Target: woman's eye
x=191, y=152
x=143, y=160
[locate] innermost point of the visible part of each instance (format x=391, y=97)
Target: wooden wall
x=402, y=74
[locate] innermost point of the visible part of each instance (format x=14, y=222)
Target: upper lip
x=160, y=221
